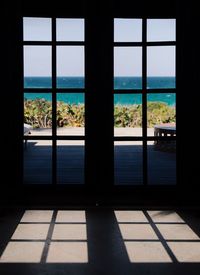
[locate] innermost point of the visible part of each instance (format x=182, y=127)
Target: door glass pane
x=127, y=30
x=69, y=29
x=37, y=29
x=70, y=114
x=161, y=111
x=37, y=67
x=161, y=162
x=161, y=29
x=127, y=68
x=128, y=164
x=161, y=67
x=70, y=67
x=127, y=115
x=70, y=161
x=38, y=113
x=37, y=162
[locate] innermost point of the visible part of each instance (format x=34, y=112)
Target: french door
x=145, y=101
x=54, y=100
x=99, y=101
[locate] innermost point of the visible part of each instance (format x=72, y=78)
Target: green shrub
x=38, y=113
x=159, y=112
x=70, y=115
x=128, y=116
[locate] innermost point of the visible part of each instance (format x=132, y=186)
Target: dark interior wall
x=189, y=95
x=9, y=95
x=188, y=77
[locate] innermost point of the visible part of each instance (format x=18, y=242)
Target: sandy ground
x=79, y=131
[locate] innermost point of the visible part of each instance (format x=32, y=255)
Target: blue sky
x=127, y=60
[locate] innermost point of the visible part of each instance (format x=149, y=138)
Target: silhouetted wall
x=188, y=90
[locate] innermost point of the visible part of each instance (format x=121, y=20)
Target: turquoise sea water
x=125, y=83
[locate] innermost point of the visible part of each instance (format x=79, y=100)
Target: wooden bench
x=165, y=130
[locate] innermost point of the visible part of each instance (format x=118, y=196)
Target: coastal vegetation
x=38, y=113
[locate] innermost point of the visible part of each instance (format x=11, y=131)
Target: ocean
x=126, y=83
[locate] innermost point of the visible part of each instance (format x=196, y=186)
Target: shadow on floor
x=107, y=241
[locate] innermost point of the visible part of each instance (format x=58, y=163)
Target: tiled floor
x=71, y=252
x=147, y=252
x=186, y=251
x=22, y=252
x=71, y=216
x=99, y=241
x=37, y=216
x=130, y=216
x=165, y=216
x=177, y=232
x=137, y=232
x=31, y=232
x=69, y=232
x=128, y=163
